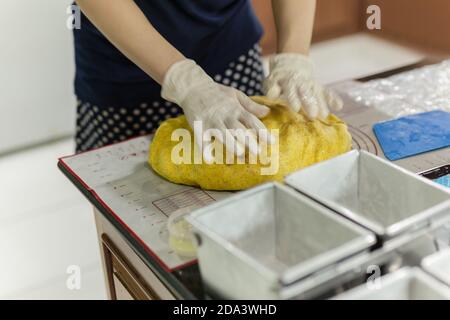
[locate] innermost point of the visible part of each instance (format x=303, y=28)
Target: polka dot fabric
x=99, y=126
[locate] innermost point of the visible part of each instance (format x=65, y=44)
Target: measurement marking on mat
x=187, y=198
x=362, y=141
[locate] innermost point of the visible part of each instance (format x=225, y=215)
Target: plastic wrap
x=420, y=90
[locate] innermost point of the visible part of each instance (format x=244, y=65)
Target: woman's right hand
x=216, y=106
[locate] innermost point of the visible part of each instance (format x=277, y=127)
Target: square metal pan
x=373, y=192
x=438, y=265
x=408, y=249
x=255, y=243
x=404, y=284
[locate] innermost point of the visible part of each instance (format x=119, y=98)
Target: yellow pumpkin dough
x=302, y=142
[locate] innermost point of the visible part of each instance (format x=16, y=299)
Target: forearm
x=294, y=21
x=124, y=24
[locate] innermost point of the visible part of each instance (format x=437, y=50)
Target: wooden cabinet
x=263, y=9
x=333, y=18
x=124, y=282
x=337, y=18
x=127, y=276
x=424, y=23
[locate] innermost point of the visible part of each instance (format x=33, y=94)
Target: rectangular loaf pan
x=438, y=265
x=404, y=284
x=373, y=192
x=255, y=243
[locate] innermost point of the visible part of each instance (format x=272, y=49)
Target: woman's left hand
x=291, y=79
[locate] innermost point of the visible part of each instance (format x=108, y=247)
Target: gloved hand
x=291, y=79
x=217, y=106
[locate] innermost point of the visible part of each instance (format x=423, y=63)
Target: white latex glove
x=291, y=79
x=217, y=106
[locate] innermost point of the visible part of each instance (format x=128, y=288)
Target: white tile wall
x=36, y=72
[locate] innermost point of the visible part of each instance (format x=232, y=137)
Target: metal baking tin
x=373, y=192
x=259, y=241
x=404, y=284
x=407, y=249
x=438, y=265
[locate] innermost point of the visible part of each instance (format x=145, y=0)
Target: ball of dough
x=302, y=142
